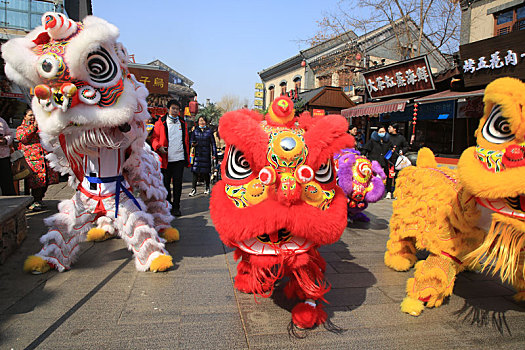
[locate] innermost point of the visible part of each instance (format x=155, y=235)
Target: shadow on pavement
x=375, y=223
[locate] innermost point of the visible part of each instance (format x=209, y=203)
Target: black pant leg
x=207, y=180
x=6, y=177
x=167, y=175
x=194, y=181
x=178, y=171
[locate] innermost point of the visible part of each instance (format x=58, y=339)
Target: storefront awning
x=397, y=105
x=448, y=95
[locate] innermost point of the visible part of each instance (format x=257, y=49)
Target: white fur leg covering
x=160, y=210
x=145, y=175
x=106, y=223
x=136, y=229
x=67, y=229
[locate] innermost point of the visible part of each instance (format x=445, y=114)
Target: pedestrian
x=352, y=130
x=203, y=141
x=34, y=153
x=170, y=140
x=376, y=148
x=6, y=177
x=400, y=147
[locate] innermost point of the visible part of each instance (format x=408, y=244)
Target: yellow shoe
x=36, y=265
x=97, y=235
x=170, y=234
x=161, y=263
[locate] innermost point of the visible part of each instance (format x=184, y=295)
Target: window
x=283, y=88
x=271, y=92
x=509, y=20
x=297, y=84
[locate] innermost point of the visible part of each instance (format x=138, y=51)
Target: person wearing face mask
x=205, y=149
x=377, y=147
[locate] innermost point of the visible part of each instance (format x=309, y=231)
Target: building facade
x=483, y=19
x=338, y=62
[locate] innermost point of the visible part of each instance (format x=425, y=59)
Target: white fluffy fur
x=142, y=168
x=20, y=60
x=97, y=32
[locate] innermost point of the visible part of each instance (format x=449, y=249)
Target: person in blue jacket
x=203, y=142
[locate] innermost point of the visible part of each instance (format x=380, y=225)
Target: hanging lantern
x=194, y=106
x=414, y=120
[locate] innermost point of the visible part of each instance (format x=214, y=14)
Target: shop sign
x=486, y=60
x=11, y=95
x=259, y=94
x=318, y=112
x=156, y=80
x=259, y=86
x=258, y=102
x=400, y=78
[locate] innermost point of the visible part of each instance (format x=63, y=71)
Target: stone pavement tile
x=409, y=336
x=212, y=331
x=129, y=336
x=23, y=331
x=481, y=288
x=395, y=292
x=345, y=280
x=356, y=297
x=142, y=308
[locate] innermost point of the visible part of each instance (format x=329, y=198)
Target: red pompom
x=306, y=316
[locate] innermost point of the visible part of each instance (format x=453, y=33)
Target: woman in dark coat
x=204, y=143
x=376, y=148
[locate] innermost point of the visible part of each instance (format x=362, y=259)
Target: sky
x=219, y=45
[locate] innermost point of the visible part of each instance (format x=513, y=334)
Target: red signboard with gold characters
x=413, y=75
x=156, y=81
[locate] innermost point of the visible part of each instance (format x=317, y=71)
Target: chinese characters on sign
x=495, y=62
x=400, y=78
x=259, y=95
x=485, y=60
x=156, y=80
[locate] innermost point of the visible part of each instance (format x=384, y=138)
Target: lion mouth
x=510, y=206
x=275, y=243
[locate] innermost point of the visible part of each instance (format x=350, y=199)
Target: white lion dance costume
x=91, y=115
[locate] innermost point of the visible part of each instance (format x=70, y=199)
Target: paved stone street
x=104, y=303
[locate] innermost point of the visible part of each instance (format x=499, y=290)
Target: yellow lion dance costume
x=472, y=217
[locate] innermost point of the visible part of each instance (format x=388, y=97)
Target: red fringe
x=306, y=273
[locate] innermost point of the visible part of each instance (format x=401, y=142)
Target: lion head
x=279, y=190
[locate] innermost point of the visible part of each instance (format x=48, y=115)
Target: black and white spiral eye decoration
x=101, y=67
x=497, y=127
x=325, y=174
x=237, y=167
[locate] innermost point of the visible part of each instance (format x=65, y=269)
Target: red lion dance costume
x=91, y=114
x=279, y=201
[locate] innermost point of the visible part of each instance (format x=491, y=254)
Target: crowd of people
x=384, y=146
x=178, y=147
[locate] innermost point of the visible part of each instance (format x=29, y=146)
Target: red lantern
x=358, y=56
x=194, y=106
x=303, y=63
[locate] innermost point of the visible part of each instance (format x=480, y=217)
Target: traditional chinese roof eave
x=159, y=63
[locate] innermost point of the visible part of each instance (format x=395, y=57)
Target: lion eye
x=237, y=167
x=497, y=127
x=101, y=67
x=325, y=173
